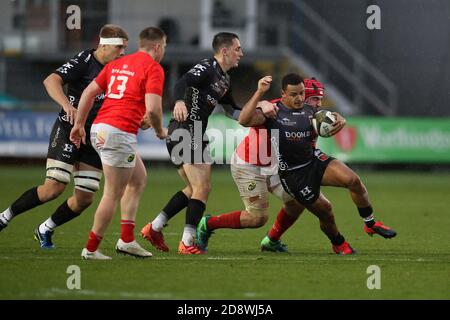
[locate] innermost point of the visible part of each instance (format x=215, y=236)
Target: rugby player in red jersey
x=133, y=86
x=303, y=168
x=63, y=158
x=257, y=176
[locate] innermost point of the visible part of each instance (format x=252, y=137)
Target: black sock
x=63, y=214
x=338, y=240
x=28, y=200
x=194, y=212
x=365, y=213
x=178, y=202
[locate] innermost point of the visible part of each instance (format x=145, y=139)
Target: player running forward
x=302, y=168
x=336, y=174
x=134, y=87
x=63, y=157
x=254, y=171
x=197, y=93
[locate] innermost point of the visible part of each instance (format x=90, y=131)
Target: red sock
x=93, y=242
x=230, y=220
x=281, y=224
x=127, y=230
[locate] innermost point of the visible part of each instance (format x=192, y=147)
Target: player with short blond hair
x=133, y=88
x=63, y=158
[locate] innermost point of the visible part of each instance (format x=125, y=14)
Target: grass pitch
x=414, y=265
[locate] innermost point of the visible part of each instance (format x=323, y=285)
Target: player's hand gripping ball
x=322, y=123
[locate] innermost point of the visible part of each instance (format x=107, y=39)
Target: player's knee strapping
x=88, y=181
x=59, y=171
x=257, y=205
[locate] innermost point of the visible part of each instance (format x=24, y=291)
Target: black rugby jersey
x=78, y=73
x=293, y=136
x=203, y=87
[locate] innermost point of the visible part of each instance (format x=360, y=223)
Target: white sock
x=6, y=215
x=47, y=225
x=159, y=222
x=189, y=234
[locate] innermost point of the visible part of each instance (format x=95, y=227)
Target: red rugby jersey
x=126, y=81
x=256, y=148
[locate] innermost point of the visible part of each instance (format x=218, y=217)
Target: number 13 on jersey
x=119, y=87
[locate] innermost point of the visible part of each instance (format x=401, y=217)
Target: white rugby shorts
x=116, y=148
x=253, y=180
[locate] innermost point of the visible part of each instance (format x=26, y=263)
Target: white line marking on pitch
x=267, y=258
x=123, y=294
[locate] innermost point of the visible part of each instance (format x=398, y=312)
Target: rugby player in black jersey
x=303, y=168
x=197, y=93
x=63, y=158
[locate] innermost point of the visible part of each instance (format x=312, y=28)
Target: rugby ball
x=322, y=122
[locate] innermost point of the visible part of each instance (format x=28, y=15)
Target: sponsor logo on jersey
x=287, y=122
x=193, y=113
x=320, y=155
x=100, y=139
x=211, y=100
x=100, y=97
x=71, y=99
x=297, y=135
x=197, y=70
x=64, y=118
x=55, y=138
x=220, y=86
x=298, y=113
x=121, y=71
x=65, y=67
x=306, y=191
x=251, y=186
x=68, y=147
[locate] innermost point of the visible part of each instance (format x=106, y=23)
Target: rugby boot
x=96, y=255
x=155, y=238
x=343, y=249
x=203, y=233
x=273, y=246
x=3, y=224
x=184, y=249
x=45, y=239
x=132, y=248
x=381, y=229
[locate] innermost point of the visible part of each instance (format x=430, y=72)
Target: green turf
x=415, y=265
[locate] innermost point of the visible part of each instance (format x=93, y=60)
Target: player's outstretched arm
x=78, y=134
x=54, y=86
x=249, y=116
x=153, y=105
